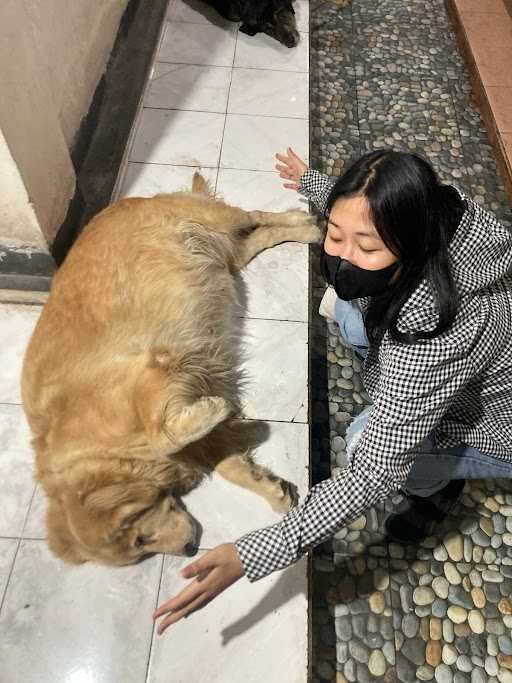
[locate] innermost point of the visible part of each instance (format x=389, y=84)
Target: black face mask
x=352, y=282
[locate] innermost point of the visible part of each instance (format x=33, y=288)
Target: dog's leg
x=171, y=419
x=264, y=238
x=242, y=470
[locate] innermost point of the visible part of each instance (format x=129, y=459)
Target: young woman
x=421, y=281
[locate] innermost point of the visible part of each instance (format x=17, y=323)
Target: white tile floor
x=225, y=102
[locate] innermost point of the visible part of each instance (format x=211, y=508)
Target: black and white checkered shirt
x=458, y=386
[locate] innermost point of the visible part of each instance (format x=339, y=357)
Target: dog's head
x=117, y=521
x=276, y=18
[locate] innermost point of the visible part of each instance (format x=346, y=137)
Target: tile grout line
x=2, y=601
x=234, y=67
x=226, y=112
x=148, y=663
x=226, y=66
x=229, y=113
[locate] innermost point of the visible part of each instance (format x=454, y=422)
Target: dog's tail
x=201, y=186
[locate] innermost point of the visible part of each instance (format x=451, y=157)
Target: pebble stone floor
x=225, y=102
x=388, y=73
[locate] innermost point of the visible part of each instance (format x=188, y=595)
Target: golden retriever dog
x=131, y=379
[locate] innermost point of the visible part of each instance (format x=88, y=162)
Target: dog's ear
x=201, y=186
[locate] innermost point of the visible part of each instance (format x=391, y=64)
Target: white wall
x=53, y=54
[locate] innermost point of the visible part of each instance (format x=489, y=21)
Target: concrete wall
x=53, y=54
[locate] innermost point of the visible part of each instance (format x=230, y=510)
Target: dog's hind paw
x=286, y=497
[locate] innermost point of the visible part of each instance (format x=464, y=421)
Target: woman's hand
x=291, y=168
x=215, y=571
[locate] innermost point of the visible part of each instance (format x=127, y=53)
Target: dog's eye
x=141, y=541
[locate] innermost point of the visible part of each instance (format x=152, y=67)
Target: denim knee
x=350, y=321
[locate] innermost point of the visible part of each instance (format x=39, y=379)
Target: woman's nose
x=344, y=252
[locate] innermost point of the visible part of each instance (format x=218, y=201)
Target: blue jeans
x=433, y=467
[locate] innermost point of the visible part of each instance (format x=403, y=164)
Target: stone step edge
x=480, y=94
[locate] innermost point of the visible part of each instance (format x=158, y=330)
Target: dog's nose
x=191, y=549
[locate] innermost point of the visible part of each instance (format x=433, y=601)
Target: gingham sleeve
x=316, y=187
x=418, y=384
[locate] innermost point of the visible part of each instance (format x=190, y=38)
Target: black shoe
x=416, y=517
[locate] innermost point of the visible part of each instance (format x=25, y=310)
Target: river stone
x=449, y=654
x=462, y=630
x=388, y=650
x=505, y=606
x=433, y=653
x=377, y=602
x=410, y=625
x=491, y=504
x=440, y=587
x=425, y=673
x=505, y=661
x=436, y=628
x=454, y=545
x=377, y=663
x=492, y=576
x=478, y=597
x=481, y=539
x=491, y=665
x=492, y=592
x=452, y=574
x=458, y=596
x=464, y=663
x=478, y=676
x=495, y=626
x=440, y=553
x=457, y=614
x=341, y=652
x=414, y=650
x=443, y=674
x=380, y=579
x=489, y=556
x=350, y=670
x=338, y=444
x=499, y=524
x=374, y=640
x=358, y=651
x=359, y=626
x=476, y=578
x=423, y=595
x=477, y=553
x=462, y=646
x=343, y=629
x=478, y=648
x=439, y=608
x=486, y=526
x=406, y=598
x=448, y=634
x=505, y=645
x=476, y=621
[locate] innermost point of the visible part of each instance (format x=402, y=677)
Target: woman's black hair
x=415, y=216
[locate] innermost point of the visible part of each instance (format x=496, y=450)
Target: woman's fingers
x=291, y=186
x=187, y=595
x=282, y=169
x=176, y=615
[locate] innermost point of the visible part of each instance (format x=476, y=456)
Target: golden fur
x=131, y=379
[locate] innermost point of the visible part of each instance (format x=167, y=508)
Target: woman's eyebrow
x=362, y=233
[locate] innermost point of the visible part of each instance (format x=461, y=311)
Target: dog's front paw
x=285, y=497
x=213, y=409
